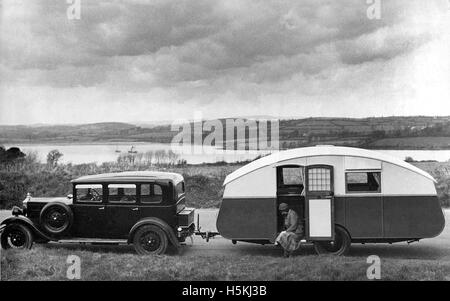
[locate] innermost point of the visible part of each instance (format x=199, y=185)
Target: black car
x=146, y=209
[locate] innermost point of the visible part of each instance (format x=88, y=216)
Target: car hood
x=64, y=200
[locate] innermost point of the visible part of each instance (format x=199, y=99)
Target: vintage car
x=145, y=208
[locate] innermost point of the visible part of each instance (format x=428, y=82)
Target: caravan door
x=319, y=207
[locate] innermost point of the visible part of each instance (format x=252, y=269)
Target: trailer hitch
x=206, y=234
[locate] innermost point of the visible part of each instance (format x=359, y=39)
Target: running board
x=94, y=241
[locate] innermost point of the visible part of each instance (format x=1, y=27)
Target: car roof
x=130, y=176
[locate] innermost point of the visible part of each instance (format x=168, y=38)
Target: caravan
x=343, y=195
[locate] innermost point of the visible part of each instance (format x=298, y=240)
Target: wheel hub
x=150, y=242
x=16, y=239
x=56, y=219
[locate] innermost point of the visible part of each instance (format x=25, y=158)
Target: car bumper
x=183, y=232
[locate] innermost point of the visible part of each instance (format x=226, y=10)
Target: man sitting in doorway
x=290, y=238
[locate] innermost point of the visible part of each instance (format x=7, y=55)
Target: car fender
x=27, y=222
x=157, y=222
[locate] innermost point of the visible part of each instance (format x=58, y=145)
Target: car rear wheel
x=150, y=240
x=16, y=236
x=339, y=246
x=56, y=218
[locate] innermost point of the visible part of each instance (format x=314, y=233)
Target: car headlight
x=25, y=206
x=16, y=211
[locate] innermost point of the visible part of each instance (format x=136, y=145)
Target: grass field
x=42, y=263
x=220, y=260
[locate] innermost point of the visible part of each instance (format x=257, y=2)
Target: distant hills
x=65, y=133
x=416, y=132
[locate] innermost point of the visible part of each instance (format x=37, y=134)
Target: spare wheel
x=56, y=218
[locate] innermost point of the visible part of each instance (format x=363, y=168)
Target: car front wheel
x=17, y=236
x=150, y=240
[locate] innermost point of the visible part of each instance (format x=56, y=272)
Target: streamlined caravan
x=343, y=195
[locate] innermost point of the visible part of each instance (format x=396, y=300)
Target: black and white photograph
x=209, y=143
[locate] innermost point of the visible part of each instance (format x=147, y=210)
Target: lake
x=105, y=152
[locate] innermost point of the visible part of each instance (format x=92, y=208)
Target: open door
x=319, y=208
x=290, y=188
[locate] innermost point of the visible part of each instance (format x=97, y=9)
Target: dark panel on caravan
x=339, y=211
x=364, y=216
x=248, y=219
x=412, y=216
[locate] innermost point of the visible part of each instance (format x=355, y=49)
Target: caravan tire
x=56, y=218
x=338, y=247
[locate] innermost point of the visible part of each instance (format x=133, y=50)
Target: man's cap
x=283, y=207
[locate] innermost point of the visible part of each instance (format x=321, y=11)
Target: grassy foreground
x=43, y=263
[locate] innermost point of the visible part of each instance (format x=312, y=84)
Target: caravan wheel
x=339, y=246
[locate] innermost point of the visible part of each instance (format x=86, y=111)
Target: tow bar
x=206, y=234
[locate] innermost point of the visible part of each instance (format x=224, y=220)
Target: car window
x=180, y=189
x=151, y=193
x=89, y=193
x=122, y=193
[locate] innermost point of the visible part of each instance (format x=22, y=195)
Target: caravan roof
x=319, y=150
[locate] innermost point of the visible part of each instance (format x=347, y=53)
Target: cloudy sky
x=141, y=61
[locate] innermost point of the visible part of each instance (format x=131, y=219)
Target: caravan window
x=363, y=181
x=290, y=176
x=319, y=179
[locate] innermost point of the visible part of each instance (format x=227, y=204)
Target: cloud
x=193, y=54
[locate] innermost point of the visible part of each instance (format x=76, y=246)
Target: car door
x=122, y=209
x=88, y=211
x=157, y=200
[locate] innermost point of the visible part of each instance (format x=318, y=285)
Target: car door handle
x=135, y=209
x=101, y=208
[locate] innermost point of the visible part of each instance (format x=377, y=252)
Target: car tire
x=150, y=240
x=338, y=247
x=56, y=218
x=17, y=236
